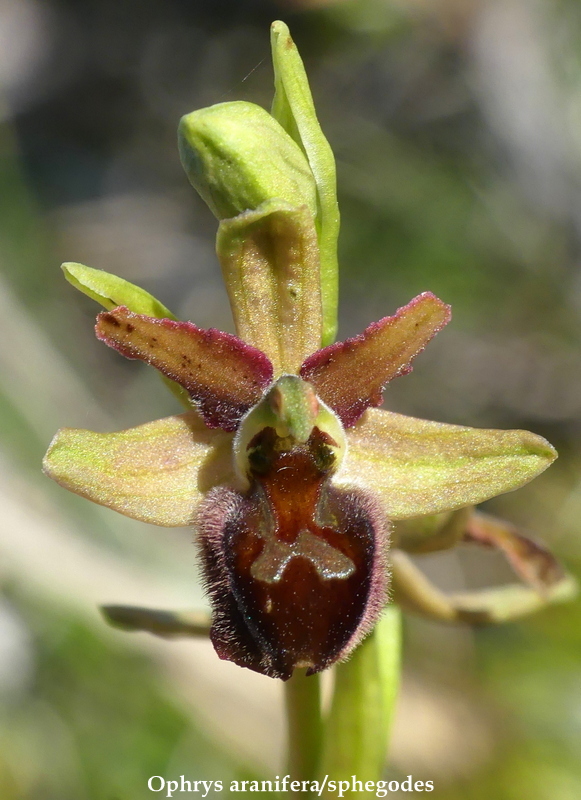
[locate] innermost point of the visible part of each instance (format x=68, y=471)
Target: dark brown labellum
x=295, y=568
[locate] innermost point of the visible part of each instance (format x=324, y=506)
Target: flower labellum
x=295, y=568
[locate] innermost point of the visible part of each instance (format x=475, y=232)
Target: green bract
x=293, y=107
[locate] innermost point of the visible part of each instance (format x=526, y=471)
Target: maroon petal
x=350, y=376
x=221, y=373
x=296, y=569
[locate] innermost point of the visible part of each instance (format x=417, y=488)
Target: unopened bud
x=237, y=156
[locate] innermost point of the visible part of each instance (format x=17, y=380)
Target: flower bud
x=237, y=156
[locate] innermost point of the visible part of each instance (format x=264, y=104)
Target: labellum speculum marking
x=295, y=567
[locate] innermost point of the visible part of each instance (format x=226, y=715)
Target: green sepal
x=270, y=265
x=237, y=156
x=160, y=623
x=293, y=107
x=111, y=291
x=156, y=473
x=359, y=721
x=416, y=467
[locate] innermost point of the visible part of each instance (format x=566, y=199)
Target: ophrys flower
x=290, y=473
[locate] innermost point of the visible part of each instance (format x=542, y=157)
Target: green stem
x=304, y=726
x=359, y=722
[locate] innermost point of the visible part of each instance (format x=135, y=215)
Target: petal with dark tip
x=157, y=472
x=221, y=373
x=350, y=376
x=416, y=467
x=532, y=561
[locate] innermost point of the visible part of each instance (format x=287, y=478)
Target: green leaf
x=237, y=156
x=160, y=623
x=293, y=107
x=157, y=472
x=270, y=264
x=111, y=291
x=359, y=721
x=416, y=467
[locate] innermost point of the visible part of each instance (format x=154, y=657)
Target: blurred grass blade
x=293, y=107
x=534, y=563
x=359, y=722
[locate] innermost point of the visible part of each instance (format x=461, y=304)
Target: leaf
x=414, y=592
x=110, y=291
x=160, y=623
x=293, y=107
x=417, y=467
x=221, y=373
x=157, y=472
x=349, y=376
x=270, y=264
x=358, y=724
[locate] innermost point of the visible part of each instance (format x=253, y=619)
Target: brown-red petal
x=349, y=376
x=220, y=372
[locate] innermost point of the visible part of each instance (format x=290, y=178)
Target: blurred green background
x=457, y=130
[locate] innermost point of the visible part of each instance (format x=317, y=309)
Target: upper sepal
x=350, y=376
x=222, y=374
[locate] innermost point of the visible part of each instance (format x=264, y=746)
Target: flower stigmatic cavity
x=291, y=474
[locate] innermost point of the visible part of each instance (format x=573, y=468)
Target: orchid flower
x=292, y=476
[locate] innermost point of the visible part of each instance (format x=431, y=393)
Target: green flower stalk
x=294, y=478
